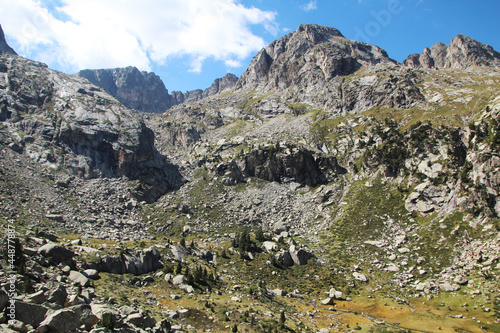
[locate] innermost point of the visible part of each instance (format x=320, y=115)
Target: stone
x=18, y=326
x=269, y=246
x=300, y=257
x=335, y=294
x=91, y=273
x=69, y=319
x=179, y=252
x=36, y=298
x=79, y=278
x=30, y=314
x=448, y=287
x=58, y=295
x=163, y=326
x=328, y=301
x=186, y=287
x=360, y=277
x=56, y=252
x=278, y=292
x=178, y=279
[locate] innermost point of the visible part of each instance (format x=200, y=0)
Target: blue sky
x=189, y=43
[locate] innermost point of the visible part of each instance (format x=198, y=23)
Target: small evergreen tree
x=282, y=320
x=235, y=328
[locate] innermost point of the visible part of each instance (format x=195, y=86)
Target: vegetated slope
x=338, y=168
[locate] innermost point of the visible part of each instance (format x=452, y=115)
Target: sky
x=190, y=43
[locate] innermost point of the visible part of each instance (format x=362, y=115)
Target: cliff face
x=136, y=90
x=65, y=123
x=463, y=52
x=145, y=91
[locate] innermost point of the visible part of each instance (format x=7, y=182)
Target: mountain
x=317, y=65
x=136, y=90
x=145, y=91
x=329, y=189
x=4, y=47
x=463, y=52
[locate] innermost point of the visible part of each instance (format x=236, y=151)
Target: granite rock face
x=463, y=52
x=136, y=90
x=65, y=123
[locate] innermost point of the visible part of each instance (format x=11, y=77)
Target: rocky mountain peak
x=463, y=52
x=4, y=47
x=310, y=56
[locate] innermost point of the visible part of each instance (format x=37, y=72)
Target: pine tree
x=178, y=269
x=282, y=320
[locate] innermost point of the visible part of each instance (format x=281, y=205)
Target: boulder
x=18, y=326
x=56, y=252
x=79, y=278
x=69, y=319
x=446, y=286
x=335, y=294
x=287, y=259
x=91, y=273
x=187, y=288
x=179, y=252
x=178, y=279
x=328, y=301
x=360, y=277
x=37, y=298
x=300, y=257
x=269, y=246
x=4, y=299
x=58, y=295
x=30, y=314
x=163, y=326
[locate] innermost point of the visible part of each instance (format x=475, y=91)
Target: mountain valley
x=328, y=189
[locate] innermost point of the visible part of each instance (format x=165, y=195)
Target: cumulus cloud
x=311, y=5
x=114, y=33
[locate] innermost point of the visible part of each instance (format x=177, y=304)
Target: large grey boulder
x=300, y=256
x=57, y=253
x=179, y=252
x=79, y=278
x=58, y=295
x=30, y=314
x=69, y=319
x=142, y=262
x=137, y=263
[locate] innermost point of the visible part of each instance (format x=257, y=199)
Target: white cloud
x=114, y=33
x=311, y=5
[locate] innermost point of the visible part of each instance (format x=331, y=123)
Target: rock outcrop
x=136, y=90
x=67, y=124
x=4, y=47
x=281, y=165
x=137, y=263
x=463, y=52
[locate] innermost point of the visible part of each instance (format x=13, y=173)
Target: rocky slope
x=145, y=91
x=330, y=184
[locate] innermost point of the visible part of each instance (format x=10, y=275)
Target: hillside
x=330, y=188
